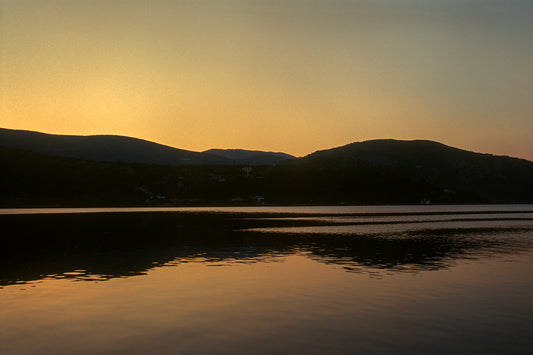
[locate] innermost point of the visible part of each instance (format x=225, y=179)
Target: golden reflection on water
x=211, y=283
x=295, y=304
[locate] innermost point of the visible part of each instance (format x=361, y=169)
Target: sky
x=280, y=75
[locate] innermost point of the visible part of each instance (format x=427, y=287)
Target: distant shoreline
x=355, y=210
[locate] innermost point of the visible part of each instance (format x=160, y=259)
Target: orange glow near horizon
x=294, y=77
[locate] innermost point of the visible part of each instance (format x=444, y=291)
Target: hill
x=395, y=171
x=250, y=157
x=104, y=148
x=372, y=172
x=113, y=148
x=32, y=179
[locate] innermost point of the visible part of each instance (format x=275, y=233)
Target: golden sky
x=292, y=75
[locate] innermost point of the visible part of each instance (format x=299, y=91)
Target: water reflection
x=102, y=266
x=99, y=247
x=415, y=251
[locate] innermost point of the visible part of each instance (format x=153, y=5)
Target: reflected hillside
x=416, y=251
x=102, y=246
x=83, y=265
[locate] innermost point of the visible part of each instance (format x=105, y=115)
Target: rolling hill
x=250, y=157
x=104, y=148
x=396, y=171
x=372, y=172
x=112, y=148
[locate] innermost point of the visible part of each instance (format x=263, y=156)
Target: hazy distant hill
x=395, y=171
x=250, y=157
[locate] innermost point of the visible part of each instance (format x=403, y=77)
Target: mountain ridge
x=399, y=151
x=373, y=172
x=244, y=157
x=392, y=171
x=115, y=148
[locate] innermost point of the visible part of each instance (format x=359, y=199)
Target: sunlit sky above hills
x=292, y=75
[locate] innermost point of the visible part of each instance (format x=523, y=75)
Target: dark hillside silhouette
x=112, y=148
x=104, y=148
x=394, y=171
x=250, y=157
x=372, y=172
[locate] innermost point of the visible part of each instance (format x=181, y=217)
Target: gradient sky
x=283, y=75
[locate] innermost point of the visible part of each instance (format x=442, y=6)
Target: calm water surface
x=380, y=279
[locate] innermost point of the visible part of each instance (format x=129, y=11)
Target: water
x=393, y=279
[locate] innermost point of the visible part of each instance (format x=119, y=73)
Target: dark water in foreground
x=454, y=279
